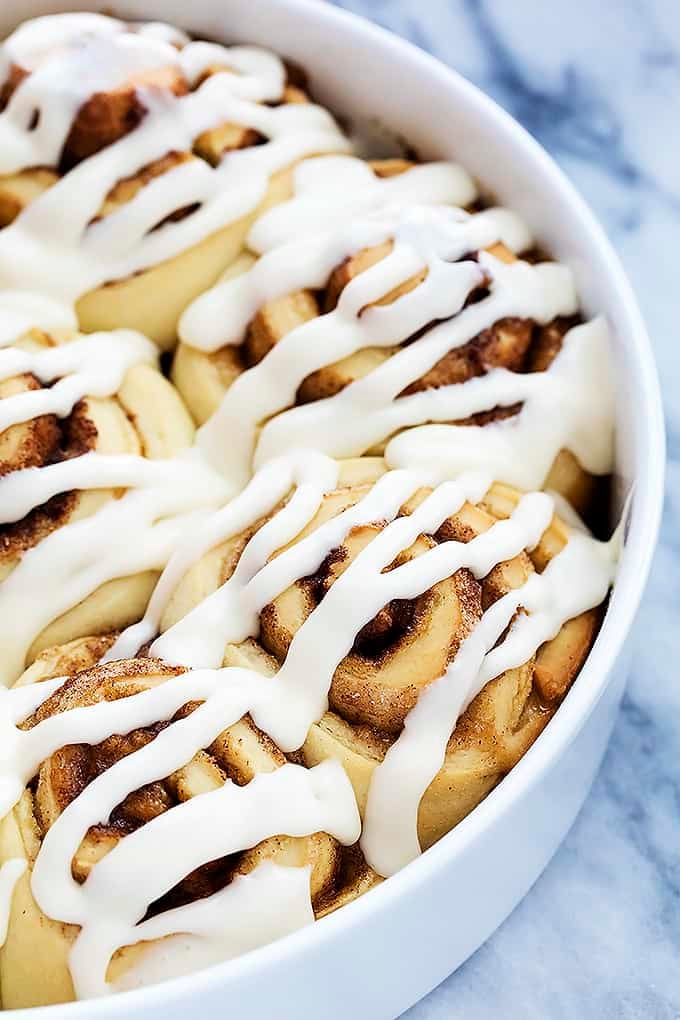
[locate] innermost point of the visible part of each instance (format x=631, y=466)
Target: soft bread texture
x=519, y=345
x=395, y=656
x=407, y=646
x=34, y=959
x=105, y=118
x=133, y=302
x=147, y=418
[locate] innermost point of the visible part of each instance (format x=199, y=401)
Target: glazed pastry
x=63, y=396
x=252, y=670
x=408, y=644
x=456, y=602
x=217, y=346
x=438, y=322
x=34, y=960
x=147, y=155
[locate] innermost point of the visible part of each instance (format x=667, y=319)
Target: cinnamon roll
x=451, y=619
x=439, y=322
x=67, y=402
x=408, y=644
x=147, y=154
x=252, y=668
x=34, y=959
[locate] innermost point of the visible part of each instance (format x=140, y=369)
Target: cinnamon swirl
x=439, y=322
x=410, y=643
x=34, y=960
x=252, y=669
x=65, y=399
x=451, y=621
x=148, y=156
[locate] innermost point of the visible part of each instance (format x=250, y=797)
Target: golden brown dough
x=407, y=646
x=104, y=119
x=146, y=417
x=519, y=345
x=34, y=958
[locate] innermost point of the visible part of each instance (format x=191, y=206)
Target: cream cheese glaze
x=262, y=467
x=255, y=409
x=54, y=246
x=21, y=311
x=93, y=366
x=253, y=909
x=285, y=707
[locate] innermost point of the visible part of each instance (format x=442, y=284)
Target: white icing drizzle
x=333, y=190
x=347, y=424
x=313, y=476
x=35, y=39
x=292, y=800
x=93, y=366
x=285, y=706
x=164, y=498
x=306, y=260
x=22, y=311
x=53, y=245
x=258, y=74
x=160, y=30
x=10, y=873
x=73, y=57
x=571, y=405
x=15, y=706
x=569, y=515
x=370, y=409
x=252, y=910
x=177, y=509
x=231, y=612
x=568, y=406
x=577, y=579
x=57, y=89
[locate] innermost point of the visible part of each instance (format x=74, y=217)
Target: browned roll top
x=519, y=345
x=107, y=116
x=408, y=645
x=238, y=754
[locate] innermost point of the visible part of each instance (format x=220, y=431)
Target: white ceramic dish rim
x=641, y=540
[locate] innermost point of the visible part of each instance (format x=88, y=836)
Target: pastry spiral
x=145, y=418
x=270, y=629
x=203, y=378
x=307, y=326
x=395, y=659
x=408, y=645
x=160, y=86
x=34, y=959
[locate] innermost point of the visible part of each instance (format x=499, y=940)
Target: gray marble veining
x=599, y=85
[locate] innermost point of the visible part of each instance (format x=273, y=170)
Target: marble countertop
x=599, y=85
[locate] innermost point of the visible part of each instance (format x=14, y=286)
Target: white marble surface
x=598, y=83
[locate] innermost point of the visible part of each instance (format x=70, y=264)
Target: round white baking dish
x=380, y=954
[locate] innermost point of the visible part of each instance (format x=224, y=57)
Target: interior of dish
x=303, y=475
